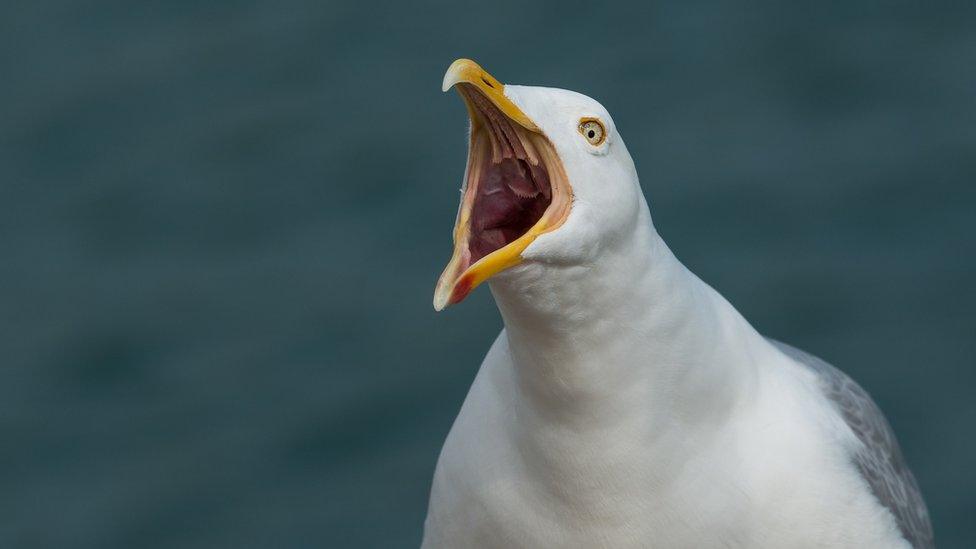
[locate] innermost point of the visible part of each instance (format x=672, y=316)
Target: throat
x=512, y=195
x=635, y=332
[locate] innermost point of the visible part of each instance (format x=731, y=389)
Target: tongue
x=497, y=210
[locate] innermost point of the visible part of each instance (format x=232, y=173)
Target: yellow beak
x=466, y=71
x=460, y=277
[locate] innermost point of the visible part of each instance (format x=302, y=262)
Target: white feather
x=627, y=404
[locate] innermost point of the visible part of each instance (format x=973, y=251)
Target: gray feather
x=879, y=459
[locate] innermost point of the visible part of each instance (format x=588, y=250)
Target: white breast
x=774, y=474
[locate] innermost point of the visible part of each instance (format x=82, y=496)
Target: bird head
x=548, y=179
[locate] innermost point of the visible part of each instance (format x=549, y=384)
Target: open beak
x=515, y=187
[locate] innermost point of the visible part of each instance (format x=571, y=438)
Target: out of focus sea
x=221, y=223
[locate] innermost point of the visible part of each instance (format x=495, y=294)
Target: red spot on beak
x=461, y=289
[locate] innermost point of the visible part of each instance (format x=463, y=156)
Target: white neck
x=633, y=334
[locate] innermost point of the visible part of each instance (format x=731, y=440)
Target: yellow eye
x=593, y=131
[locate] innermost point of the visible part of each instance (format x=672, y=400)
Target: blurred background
x=221, y=224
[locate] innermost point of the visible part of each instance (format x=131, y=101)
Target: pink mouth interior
x=512, y=194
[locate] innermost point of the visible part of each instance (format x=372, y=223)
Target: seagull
x=626, y=403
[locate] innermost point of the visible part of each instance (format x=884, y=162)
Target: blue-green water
x=221, y=223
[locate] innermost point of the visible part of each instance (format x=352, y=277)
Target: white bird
x=626, y=403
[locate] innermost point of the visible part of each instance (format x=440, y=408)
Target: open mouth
x=515, y=186
x=510, y=188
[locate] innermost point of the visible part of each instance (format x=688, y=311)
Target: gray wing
x=880, y=460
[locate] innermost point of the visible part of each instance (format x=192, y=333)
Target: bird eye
x=593, y=130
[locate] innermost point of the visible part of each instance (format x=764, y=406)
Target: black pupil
x=591, y=134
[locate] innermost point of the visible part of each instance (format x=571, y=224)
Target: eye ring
x=593, y=131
